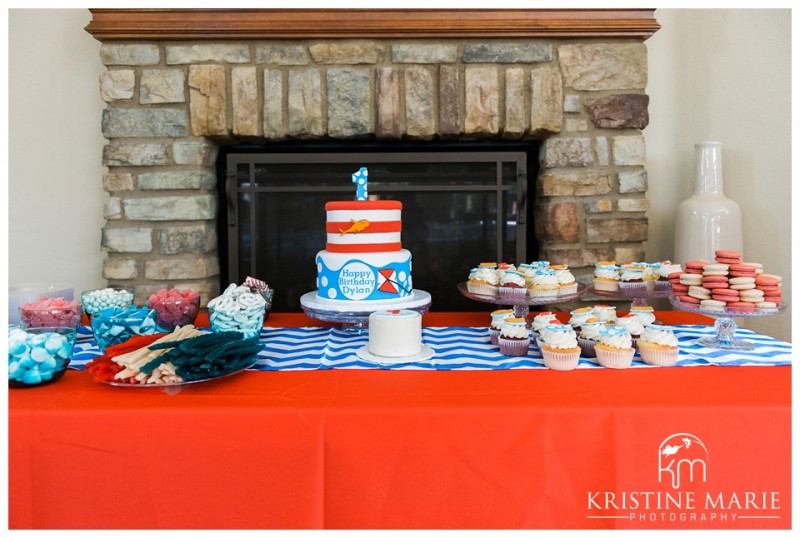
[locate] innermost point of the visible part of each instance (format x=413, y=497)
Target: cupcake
x=633, y=324
x=590, y=335
x=485, y=281
x=658, y=345
x=646, y=314
x=567, y=285
x=498, y=317
x=631, y=277
x=579, y=316
x=514, y=338
x=560, y=348
x=615, y=348
x=544, y=284
x=540, y=321
x=512, y=285
x=665, y=269
x=606, y=276
x=651, y=275
x=527, y=270
x=608, y=314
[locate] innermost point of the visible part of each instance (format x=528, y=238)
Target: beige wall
x=714, y=75
x=724, y=75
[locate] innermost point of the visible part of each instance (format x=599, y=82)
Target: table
x=371, y=449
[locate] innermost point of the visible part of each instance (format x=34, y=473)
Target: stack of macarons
x=727, y=283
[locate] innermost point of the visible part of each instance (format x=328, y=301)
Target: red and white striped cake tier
x=369, y=226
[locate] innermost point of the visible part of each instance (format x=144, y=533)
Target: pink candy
x=51, y=312
x=174, y=307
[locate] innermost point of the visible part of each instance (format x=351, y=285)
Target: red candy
x=51, y=312
x=174, y=308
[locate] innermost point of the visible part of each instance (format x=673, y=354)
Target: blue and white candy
x=116, y=325
x=35, y=357
x=98, y=300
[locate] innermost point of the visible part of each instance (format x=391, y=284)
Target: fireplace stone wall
x=171, y=104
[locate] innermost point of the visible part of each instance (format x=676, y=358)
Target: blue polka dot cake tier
x=364, y=259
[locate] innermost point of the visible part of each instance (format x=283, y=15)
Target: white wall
x=55, y=149
x=724, y=75
x=714, y=75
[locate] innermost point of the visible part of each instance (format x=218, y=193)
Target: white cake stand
x=724, y=325
x=354, y=315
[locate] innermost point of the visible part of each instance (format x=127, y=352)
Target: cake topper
x=360, y=179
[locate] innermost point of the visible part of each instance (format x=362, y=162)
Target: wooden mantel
x=200, y=24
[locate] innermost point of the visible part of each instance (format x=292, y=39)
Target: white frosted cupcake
x=633, y=324
x=485, y=281
x=590, y=335
x=665, y=269
x=540, y=321
x=615, y=348
x=498, y=317
x=606, y=313
x=567, y=285
x=579, y=316
x=560, y=349
x=646, y=314
x=606, y=276
x=512, y=285
x=658, y=345
x=544, y=284
x=631, y=277
x=514, y=339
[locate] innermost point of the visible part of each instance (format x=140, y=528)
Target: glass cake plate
x=724, y=325
x=353, y=316
x=638, y=295
x=175, y=388
x=522, y=305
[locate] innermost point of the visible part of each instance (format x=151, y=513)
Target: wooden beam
x=220, y=24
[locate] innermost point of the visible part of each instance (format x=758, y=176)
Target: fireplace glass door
x=460, y=208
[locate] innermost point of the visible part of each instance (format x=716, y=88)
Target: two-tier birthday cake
x=363, y=258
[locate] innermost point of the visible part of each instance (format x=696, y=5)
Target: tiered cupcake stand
x=725, y=326
x=522, y=305
x=354, y=317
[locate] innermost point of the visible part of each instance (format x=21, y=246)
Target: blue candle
x=360, y=179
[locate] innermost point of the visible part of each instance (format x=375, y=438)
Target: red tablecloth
x=407, y=449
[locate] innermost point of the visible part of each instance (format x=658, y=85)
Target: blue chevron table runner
x=464, y=348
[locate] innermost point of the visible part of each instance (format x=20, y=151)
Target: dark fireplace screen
x=460, y=208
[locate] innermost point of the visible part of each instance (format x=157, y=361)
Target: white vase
x=708, y=220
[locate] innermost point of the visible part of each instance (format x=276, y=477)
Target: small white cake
x=395, y=333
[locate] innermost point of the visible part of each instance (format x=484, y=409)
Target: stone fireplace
x=179, y=84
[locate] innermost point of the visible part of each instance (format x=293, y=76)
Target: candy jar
x=237, y=309
x=38, y=355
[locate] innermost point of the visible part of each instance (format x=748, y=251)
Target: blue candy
x=113, y=325
x=36, y=357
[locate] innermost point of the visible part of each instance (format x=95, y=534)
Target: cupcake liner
x=604, y=285
x=512, y=293
x=587, y=347
x=494, y=334
x=561, y=361
x=481, y=288
x=614, y=359
x=627, y=287
x=514, y=348
x=659, y=357
x=568, y=289
x=542, y=294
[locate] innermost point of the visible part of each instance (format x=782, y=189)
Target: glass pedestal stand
x=725, y=326
x=522, y=305
x=638, y=296
x=354, y=317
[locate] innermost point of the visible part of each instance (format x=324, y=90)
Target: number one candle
x=360, y=179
